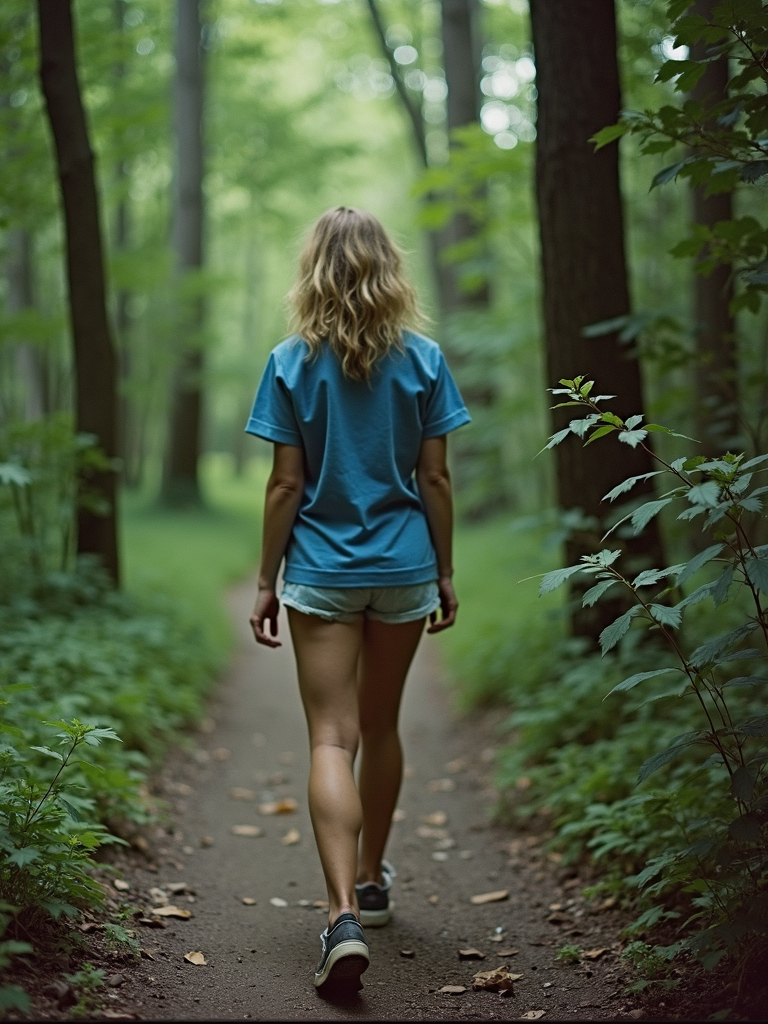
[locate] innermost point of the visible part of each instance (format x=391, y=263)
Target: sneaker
x=373, y=899
x=345, y=953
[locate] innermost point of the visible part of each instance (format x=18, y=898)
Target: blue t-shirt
x=361, y=522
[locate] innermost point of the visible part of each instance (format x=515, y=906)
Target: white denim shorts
x=345, y=604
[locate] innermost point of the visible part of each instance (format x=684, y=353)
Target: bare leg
x=327, y=655
x=386, y=655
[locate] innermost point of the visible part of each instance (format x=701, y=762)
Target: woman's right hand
x=265, y=610
x=448, y=606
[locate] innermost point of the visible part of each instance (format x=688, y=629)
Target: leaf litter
x=471, y=954
x=285, y=806
x=489, y=897
x=196, y=957
x=171, y=911
x=240, y=793
x=500, y=979
x=291, y=837
x=246, y=830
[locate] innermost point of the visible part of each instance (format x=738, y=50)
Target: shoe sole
x=345, y=963
x=376, y=918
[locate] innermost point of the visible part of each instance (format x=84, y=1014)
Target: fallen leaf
x=441, y=786
x=471, y=954
x=175, y=888
x=556, y=906
x=433, y=899
x=532, y=1014
x=159, y=896
x=291, y=837
x=148, y=954
x=89, y=926
x=278, y=901
x=607, y=903
x=116, y=1015
x=459, y=765
x=196, y=957
x=560, y=918
x=152, y=922
x=207, y=841
x=239, y=793
x=445, y=844
x=399, y=814
x=320, y=904
x=428, y=832
x=121, y=884
x=407, y=953
x=498, y=980
x=222, y=753
x=171, y=911
x=285, y=806
x=440, y=856
x=245, y=830
x=249, y=901
x=277, y=779
x=593, y=954
x=490, y=897
x=436, y=818
x=508, y=952
x=453, y=990
x=140, y=843
x=496, y=938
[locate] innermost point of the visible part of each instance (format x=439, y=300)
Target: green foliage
x=719, y=145
x=12, y=997
x=722, y=862
x=87, y=982
x=569, y=954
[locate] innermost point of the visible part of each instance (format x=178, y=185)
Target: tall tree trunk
x=583, y=259
x=94, y=356
x=180, y=477
x=716, y=401
x=30, y=363
x=461, y=63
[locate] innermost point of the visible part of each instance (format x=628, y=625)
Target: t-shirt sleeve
x=445, y=408
x=273, y=416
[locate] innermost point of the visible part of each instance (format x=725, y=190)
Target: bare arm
x=434, y=482
x=281, y=503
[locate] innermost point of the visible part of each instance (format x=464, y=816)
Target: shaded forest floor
x=260, y=954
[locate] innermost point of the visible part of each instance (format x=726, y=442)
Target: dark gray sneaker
x=345, y=954
x=373, y=899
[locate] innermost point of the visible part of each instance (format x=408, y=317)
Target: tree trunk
x=716, y=402
x=30, y=363
x=94, y=356
x=461, y=63
x=583, y=259
x=180, y=477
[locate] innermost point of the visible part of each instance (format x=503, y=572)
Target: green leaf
x=746, y=681
x=600, y=432
x=706, y=654
x=24, y=856
x=706, y=494
x=721, y=586
x=657, y=428
x=665, y=615
x=643, y=515
x=611, y=635
x=656, y=761
x=609, y=134
x=757, y=571
x=743, y=784
x=650, y=576
x=51, y=753
x=754, y=171
x=639, y=677
x=10, y=473
x=632, y=437
x=698, y=561
x=669, y=173
x=757, y=726
x=629, y=483
x=555, y=579
x=745, y=829
x=13, y=997
x=596, y=592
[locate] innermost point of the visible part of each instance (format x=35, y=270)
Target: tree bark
x=180, y=477
x=30, y=362
x=94, y=356
x=716, y=398
x=461, y=63
x=583, y=260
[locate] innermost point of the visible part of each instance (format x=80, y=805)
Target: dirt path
x=260, y=958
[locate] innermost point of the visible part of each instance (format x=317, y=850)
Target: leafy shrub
x=718, y=797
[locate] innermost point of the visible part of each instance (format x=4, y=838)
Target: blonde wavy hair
x=351, y=291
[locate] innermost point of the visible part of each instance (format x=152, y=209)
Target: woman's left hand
x=265, y=611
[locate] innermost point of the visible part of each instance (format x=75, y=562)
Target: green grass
x=191, y=557
x=490, y=560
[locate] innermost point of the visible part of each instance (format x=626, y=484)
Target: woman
x=359, y=503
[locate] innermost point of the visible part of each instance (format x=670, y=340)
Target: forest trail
x=260, y=958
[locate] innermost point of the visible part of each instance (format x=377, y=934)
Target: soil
x=260, y=955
